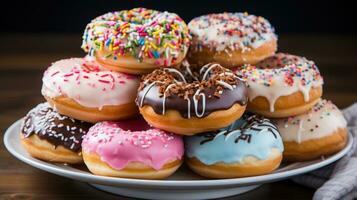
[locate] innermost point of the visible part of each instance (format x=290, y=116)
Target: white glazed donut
x=321, y=131
x=231, y=39
x=282, y=85
x=84, y=90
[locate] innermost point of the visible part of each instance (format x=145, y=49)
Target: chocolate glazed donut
x=193, y=93
x=51, y=136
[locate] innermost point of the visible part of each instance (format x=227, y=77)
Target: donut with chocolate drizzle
x=195, y=93
x=250, y=146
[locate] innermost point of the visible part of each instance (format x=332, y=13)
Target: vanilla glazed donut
x=83, y=89
x=137, y=41
x=188, y=101
x=319, y=132
x=131, y=149
x=249, y=147
x=231, y=39
x=282, y=85
x=50, y=136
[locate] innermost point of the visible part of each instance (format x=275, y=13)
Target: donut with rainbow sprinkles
x=137, y=41
x=319, y=132
x=282, y=85
x=231, y=39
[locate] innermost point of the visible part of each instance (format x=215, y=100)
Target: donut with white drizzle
x=250, y=146
x=83, y=89
x=319, y=132
x=50, y=136
x=231, y=39
x=173, y=98
x=282, y=85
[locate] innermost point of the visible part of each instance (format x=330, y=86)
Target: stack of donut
x=136, y=105
x=288, y=88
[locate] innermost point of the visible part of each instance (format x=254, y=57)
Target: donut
x=282, y=85
x=188, y=101
x=84, y=90
x=137, y=41
x=131, y=149
x=250, y=146
x=319, y=132
x=231, y=39
x=50, y=136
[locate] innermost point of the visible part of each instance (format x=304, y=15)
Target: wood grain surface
x=23, y=59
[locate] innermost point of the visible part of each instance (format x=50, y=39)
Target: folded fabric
x=338, y=180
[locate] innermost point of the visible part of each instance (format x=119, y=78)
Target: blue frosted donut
x=250, y=146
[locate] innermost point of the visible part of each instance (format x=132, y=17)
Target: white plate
x=182, y=185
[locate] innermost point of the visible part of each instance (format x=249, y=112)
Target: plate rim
x=233, y=182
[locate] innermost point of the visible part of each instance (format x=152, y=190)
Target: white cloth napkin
x=338, y=180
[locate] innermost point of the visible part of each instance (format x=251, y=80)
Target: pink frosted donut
x=131, y=149
x=84, y=90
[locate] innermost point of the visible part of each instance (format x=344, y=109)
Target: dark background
x=287, y=16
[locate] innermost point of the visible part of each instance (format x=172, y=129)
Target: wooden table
x=23, y=59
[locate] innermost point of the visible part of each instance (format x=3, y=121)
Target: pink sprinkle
x=104, y=75
x=103, y=81
x=154, y=23
x=86, y=76
x=122, y=82
x=67, y=75
x=150, y=54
